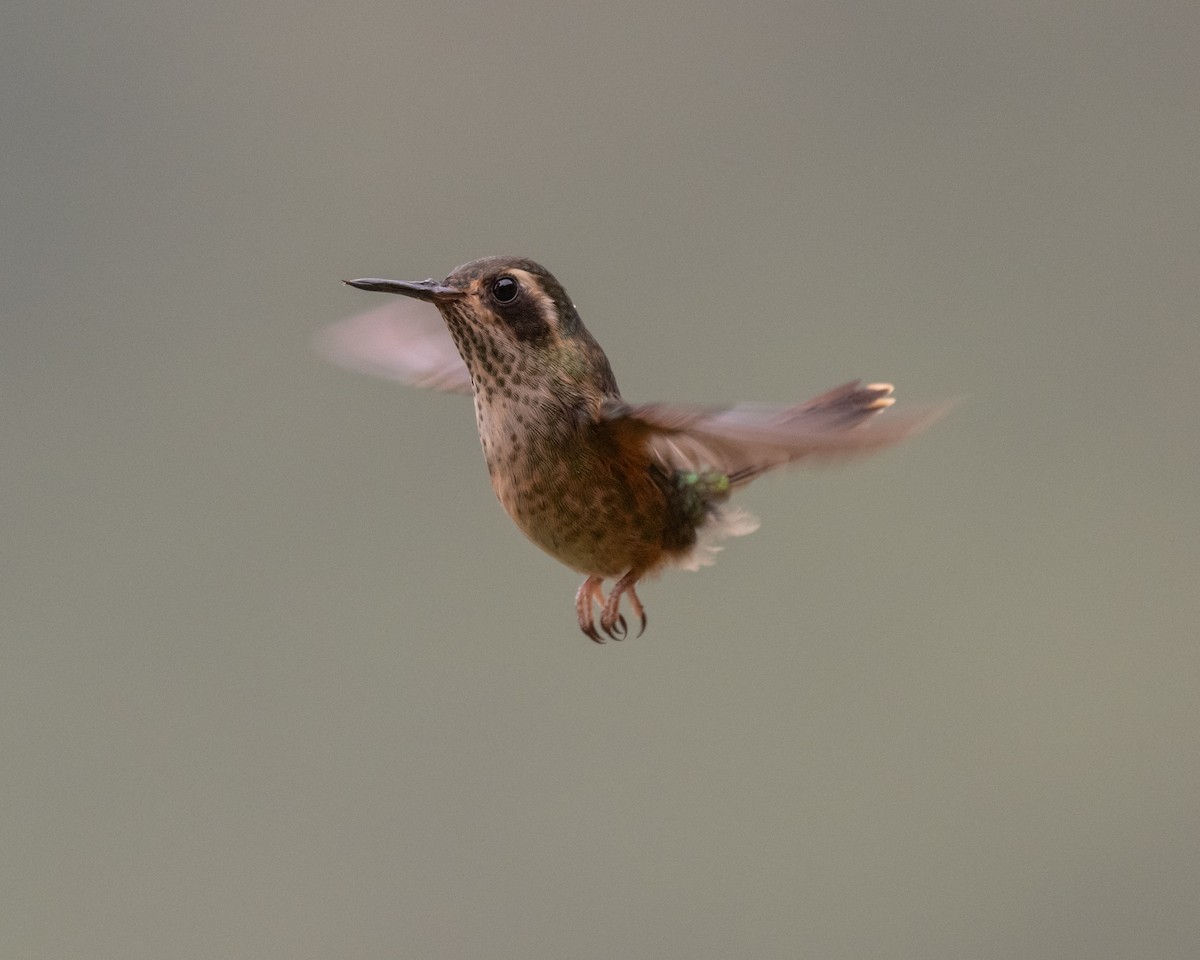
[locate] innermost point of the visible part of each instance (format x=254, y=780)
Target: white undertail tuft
x=724, y=522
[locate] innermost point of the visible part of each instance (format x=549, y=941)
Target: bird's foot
x=589, y=592
x=612, y=623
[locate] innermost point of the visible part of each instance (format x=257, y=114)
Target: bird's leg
x=637, y=608
x=611, y=621
x=589, y=592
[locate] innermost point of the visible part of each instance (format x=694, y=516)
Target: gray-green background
x=279, y=678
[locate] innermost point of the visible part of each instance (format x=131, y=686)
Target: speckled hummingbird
x=613, y=491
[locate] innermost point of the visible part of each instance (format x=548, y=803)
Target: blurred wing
x=405, y=340
x=748, y=439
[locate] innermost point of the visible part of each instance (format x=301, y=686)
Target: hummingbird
x=613, y=490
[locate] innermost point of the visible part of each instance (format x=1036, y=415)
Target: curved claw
x=589, y=592
x=636, y=603
x=617, y=629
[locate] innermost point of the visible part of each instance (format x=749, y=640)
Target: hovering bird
x=612, y=490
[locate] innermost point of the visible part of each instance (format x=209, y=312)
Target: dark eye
x=505, y=289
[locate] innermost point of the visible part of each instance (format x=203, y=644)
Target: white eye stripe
x=548, y=310
x=532, y=289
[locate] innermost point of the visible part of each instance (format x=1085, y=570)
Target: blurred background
x=280, y=679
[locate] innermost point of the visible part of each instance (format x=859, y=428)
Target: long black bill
x=431, y=290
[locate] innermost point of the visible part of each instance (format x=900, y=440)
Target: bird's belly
x=584, y=513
